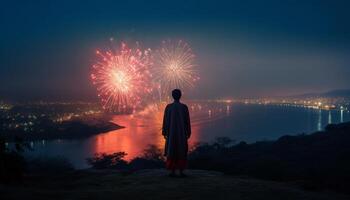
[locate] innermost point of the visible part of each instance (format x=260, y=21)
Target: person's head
x=176, y=94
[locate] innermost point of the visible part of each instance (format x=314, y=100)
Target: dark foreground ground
x=154, y=184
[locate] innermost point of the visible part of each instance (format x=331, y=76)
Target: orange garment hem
x=173, y=164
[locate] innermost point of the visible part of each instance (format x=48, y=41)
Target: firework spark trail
x=122, y=78
x=174, y=67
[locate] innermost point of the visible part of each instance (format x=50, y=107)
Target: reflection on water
x=341, y=115
x=144, y=129
x=209, y=120
x=133, y=139
x=319, y=122
x=329, y=117
x=228, y=110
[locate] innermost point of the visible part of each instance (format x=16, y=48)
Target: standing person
x=176, y=131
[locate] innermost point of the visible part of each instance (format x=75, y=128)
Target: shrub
x=108, y=161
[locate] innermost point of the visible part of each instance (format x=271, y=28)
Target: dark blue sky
x=249, y=48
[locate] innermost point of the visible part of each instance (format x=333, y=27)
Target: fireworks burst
x=122, y=78
x=174, y=67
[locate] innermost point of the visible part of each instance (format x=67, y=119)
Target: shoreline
x=67, y=130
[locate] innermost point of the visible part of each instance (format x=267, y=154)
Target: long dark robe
x=176, y=129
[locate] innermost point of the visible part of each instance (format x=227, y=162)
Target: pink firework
x=122, y=78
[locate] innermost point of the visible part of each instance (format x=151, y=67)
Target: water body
x=241, y=122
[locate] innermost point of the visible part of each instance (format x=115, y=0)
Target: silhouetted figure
x=176, y=130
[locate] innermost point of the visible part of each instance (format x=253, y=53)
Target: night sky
x=243, y=49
